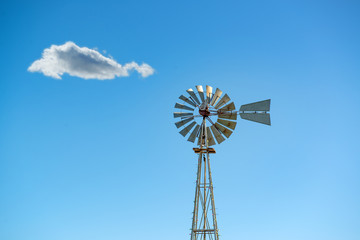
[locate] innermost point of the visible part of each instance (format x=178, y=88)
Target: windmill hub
x=204, y=112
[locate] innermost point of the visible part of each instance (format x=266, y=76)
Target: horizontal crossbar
x=204, y=150
x=204, y=230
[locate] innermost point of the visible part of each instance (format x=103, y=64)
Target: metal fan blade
x=229, y=107
x=223, y=130
x=208, y=93
x=257, y=106
x=227, y=123
x=222, y=101
x=187, y=129
x=183, y=122
x=193, y=95
x=263, y=118
x=228, y=115
x=219, y=138
x=200, y=139
x=194, y=133
x=201, y=92
x=181, y=114
x=210, y=137
x=216, y=97
x=182, y=97
x=182, y=106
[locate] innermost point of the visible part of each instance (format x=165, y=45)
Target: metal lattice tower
x=198, y=112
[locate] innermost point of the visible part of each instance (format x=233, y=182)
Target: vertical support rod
x=212, y=200
x=196, y=201
x=205, y=218
x=206, y=145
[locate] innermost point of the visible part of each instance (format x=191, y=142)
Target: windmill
x=197, y=113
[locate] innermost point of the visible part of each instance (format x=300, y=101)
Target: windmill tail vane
x=208, y=118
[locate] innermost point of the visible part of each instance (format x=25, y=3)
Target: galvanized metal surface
x=222, y=101
x=210, y=137
x=223, y=130
x=185, y=99
x=183, y=122
x=182, y=106
x=193, y=95
x=228, y=115
x=182, y=114
x=229, y=107
x=201, y=138
x=226, y=123
x=216, y=97
x=187, y=129
x=257, y=106
x=208, y=93
x=263, y=118
x=219, y=138
x=194, y=133
x=200, y=90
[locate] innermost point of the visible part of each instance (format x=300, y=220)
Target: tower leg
x=204, y=227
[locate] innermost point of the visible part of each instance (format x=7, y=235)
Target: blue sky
x=102, y=159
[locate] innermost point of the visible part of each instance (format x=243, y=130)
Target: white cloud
x=83, y=62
